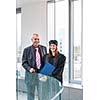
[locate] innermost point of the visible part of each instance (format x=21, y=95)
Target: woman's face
x=53, y=47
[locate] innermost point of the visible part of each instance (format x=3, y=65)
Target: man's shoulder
x=27, y=48
x=42, y=46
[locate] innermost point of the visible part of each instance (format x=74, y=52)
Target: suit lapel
x=32, y=53
x=41, y=50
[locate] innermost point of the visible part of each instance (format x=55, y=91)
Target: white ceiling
x=19, y=3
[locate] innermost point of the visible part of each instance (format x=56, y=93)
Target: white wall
x=33, y=20
x=91, y=50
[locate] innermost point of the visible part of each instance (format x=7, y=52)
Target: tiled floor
x=72, y=94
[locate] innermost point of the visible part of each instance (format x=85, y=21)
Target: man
x=32, y=63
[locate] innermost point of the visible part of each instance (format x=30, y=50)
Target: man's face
x=35, y=40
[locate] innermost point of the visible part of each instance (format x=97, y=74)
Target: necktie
x=38, y=63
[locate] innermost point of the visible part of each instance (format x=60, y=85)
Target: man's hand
x=32, y=70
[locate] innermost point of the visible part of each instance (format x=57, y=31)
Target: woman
x=55, y=58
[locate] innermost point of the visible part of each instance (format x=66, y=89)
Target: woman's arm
x=59, y=68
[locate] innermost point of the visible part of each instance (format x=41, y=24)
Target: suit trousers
x=36, y=87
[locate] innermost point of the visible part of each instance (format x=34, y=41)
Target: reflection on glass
x=18, y=45
x=47, y=88
x=20, y=72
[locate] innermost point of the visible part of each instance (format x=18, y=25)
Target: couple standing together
x=35, y=57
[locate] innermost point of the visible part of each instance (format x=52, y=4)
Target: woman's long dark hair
x=50, y=53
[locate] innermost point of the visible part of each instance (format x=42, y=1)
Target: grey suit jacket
x=29, y=61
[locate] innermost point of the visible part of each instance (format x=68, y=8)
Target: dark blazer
x=29, y=60
x=59, y=63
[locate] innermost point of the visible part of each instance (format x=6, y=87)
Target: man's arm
x=25, y=62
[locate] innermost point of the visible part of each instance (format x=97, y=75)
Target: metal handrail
x=58, y=94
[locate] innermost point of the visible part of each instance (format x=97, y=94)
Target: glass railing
x=43, y=88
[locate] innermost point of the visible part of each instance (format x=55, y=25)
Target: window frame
x=71, y=42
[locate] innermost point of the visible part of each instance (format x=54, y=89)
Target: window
x=59, y=25
x=18, y=42
x=75, y=56
x=50, y=21
x=65, y=21
x=61, y=32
